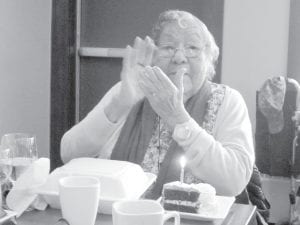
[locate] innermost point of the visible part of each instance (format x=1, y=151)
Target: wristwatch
x=182, y=131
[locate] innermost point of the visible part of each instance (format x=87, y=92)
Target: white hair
x=183, y=19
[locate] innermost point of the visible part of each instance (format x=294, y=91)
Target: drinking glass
x=23, y=149
x=5, y=172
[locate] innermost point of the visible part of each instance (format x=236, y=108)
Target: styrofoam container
x=119, y=180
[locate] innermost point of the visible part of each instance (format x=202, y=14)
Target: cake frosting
x=188, y=197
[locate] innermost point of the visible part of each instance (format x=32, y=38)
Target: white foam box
x=119, y=180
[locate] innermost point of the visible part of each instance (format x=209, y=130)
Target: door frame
x=63, y=70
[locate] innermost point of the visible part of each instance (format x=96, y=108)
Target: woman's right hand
x=134, y=62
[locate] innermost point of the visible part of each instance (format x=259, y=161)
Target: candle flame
x=182, y=161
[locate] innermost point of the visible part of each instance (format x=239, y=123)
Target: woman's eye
x=194, y=48
x=168, y=48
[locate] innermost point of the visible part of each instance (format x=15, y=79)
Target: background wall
x=25, y=69
x=255, y=47
x=294, y=37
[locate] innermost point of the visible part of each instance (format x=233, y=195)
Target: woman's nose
x=179, y=57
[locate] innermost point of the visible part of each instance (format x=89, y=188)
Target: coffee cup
x=145, y=212
x=79, y=199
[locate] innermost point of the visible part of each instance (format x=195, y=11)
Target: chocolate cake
x=187, y=197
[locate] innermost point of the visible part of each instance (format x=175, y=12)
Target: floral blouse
x=162, y=136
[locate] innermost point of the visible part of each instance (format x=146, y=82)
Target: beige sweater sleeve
x=224, y=159
x=95, y=135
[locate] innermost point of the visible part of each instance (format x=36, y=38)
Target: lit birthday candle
x=182, y=164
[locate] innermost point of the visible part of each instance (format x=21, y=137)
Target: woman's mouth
x=187, y=81
x=175, y=72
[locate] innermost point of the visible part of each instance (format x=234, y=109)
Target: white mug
x=79, y=199
x=141, y=212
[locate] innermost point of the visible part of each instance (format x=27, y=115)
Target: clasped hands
x=140, y=79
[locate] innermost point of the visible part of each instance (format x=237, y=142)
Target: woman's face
x=182, y=48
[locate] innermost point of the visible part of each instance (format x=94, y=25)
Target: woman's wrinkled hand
x=135, y=60
x=165, y=97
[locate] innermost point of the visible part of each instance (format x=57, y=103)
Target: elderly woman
x=166, y=106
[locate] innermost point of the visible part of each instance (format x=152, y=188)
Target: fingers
x=163, y=78
x=149, y=51
x=161, y=81
x=148, y=78
x=139, y=47
x=128, y=56
x=156, y=77
x=146, y=90
x=144, y=50
x=157, y=86
x=178, y=81
x=126, y=59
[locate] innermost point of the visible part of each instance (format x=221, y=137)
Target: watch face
x=183, y=132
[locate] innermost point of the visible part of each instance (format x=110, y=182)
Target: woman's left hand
x=165, y=97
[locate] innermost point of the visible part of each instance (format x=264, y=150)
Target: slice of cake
x=187, y=197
